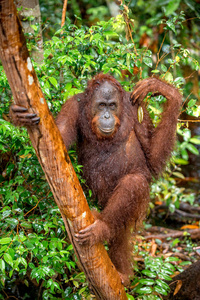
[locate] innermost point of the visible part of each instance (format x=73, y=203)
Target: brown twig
x=158, y=54
x=182, y=211
x=187, y=215
x=36, y=204
x=189, y=121
x=194, y=233
x=128, y=22
x=64, y=13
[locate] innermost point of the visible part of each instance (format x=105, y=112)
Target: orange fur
x=98, y=133
x=119, y=169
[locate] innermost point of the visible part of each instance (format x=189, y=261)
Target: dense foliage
x=36, y=258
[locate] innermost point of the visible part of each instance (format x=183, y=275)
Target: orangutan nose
x=107, y=115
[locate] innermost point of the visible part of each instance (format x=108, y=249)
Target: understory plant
x=36, y=258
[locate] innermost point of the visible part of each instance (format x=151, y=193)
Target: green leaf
x=59, y=246
x=167, y=196
x=185, y=263
x=191, y=4
x=26, y=224
x=8, y=259
x=29, y=245
x=144, y=290
x=179, y=175
x=34, y=27
x=53, y=82
x=111, y=33
x=195, y=141
x=47, y=92
x=6, y=240
x=162, y=284
x=171, y=25
x=22, y=261
x=12, y=222
x=49, y=282
x=186, y=134
x=68, y=291
x=56, y=285
x=149, y=273
x=26, y=282
x=10, y=168
x=168, y=77
x=3, y=248
x=31, y=265
x=164, y=276
x=140, y=114
x=105, y=68
x=11, y=252
x=44, y=259
x=171, y=258
x=168, y=266
x=68, y=265
x=148, y=61
x=160, y=290
x=172, y=6
x=75, y=283
x=130, y=297
x=192, y=149
x=68, y=86
x=191, y=103
x=163, y=68
x=184, y=154
x=166, y=271
x=83, y=290
x=2, y=265
x=172, y=207
x=11, y=273
x=155, y=71
x=180, y=161
x=147, y=281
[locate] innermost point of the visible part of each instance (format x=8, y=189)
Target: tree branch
x=64, y=13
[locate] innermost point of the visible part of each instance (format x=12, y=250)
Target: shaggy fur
x=119, y=170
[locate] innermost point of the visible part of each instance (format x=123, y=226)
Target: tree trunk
x=114, y=7
x=186, y=285
x=53, y=156
x=29, y=14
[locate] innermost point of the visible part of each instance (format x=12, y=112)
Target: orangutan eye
x=112, y=105
x=102, y=105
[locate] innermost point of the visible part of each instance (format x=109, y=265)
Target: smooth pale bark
x=53, y=156
x=114, y=7
x=31, y=9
